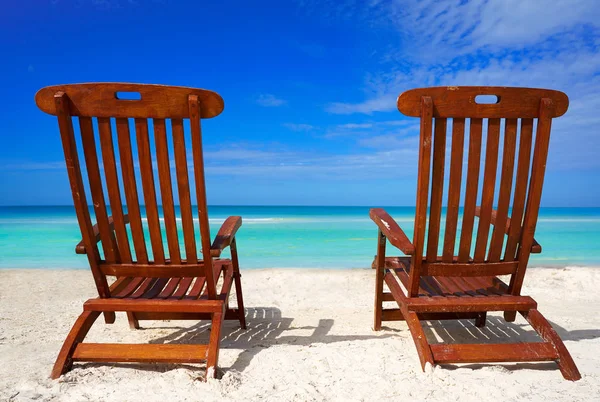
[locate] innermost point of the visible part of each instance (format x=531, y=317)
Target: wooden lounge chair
x=151, y=284
x=457, y=278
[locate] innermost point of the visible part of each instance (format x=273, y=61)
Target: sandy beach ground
x=309, y=337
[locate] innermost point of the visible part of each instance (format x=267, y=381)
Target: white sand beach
x=309, y=337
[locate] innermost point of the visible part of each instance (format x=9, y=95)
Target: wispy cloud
x=396, y=128
x=269, y=100
x=512, y=42
x=250, y=162
x=20, y=166
x=298, y=127
x=356, y=125
x=384, y=103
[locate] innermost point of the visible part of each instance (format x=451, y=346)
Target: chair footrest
x=120, y=352
x=395, y=314
x=493, y=353
x=470, y=304
x=230, y=314
x=153, y=305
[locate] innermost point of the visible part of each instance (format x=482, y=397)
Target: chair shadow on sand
x=496, y=330
x=265, y=327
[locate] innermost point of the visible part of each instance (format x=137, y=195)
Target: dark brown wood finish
x=508, y=160
x=114, y=192
x=63, y=112
x=489, y=183
x=422, y=189
x=428, y=286
x=131, y=193
x=514, y=103
x=437, y=188
x=146, y=171
x=151, y=285
x=166, y=189
x=526, y=137
x=538, y=169
x=466, y=235
x=156, y=101
x=109, y=245
x=185, y=201
x=194, y=112
x=380, y=273
x=456, y=164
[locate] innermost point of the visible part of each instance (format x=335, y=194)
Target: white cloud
x=376, y=128
x=509, y=42
x=389, y=163
x=269, y=100
x=383, y=103
x=356, y=125
x=298, y=126
x=58, y=165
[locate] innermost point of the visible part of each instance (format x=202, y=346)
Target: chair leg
x=416, y=330
x=80, y=329
x=240, y=301
x=547, y=333
x=378, y=307
x=212, y=355
x=379, y=278
x=109, y=317
x=480, y=320
x=133, y=321
x=510, y=316
x=238, y=283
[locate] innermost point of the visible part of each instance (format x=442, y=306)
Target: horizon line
x=279, y=205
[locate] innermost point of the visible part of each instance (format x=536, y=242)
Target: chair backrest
x=106, y=109
x=518, y=115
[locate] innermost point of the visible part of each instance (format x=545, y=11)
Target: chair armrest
x=536, y=248
x=391, y=230
x=80, y=248
x=225, y=235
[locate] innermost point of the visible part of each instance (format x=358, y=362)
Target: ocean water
x=285, y=236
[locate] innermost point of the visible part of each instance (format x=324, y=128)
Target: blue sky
x=309, y=87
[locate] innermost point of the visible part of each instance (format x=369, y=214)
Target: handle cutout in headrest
x=487, y=99
x=121, y=95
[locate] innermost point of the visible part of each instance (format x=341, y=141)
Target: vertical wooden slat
x=107, y=237
x=183, y=185
x=538, y=169
x=146, y=171
x=166, y=188
x=112, y=186
x=508, y=163
x=61, y=102
x=466, y=235
x=194, y=108
x=489, y=183
x=456, y=165
x=520, y=189
x=422, y=193
x=131, y=194
x=437, y=188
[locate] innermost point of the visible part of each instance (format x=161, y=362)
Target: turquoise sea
x=287, y=236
